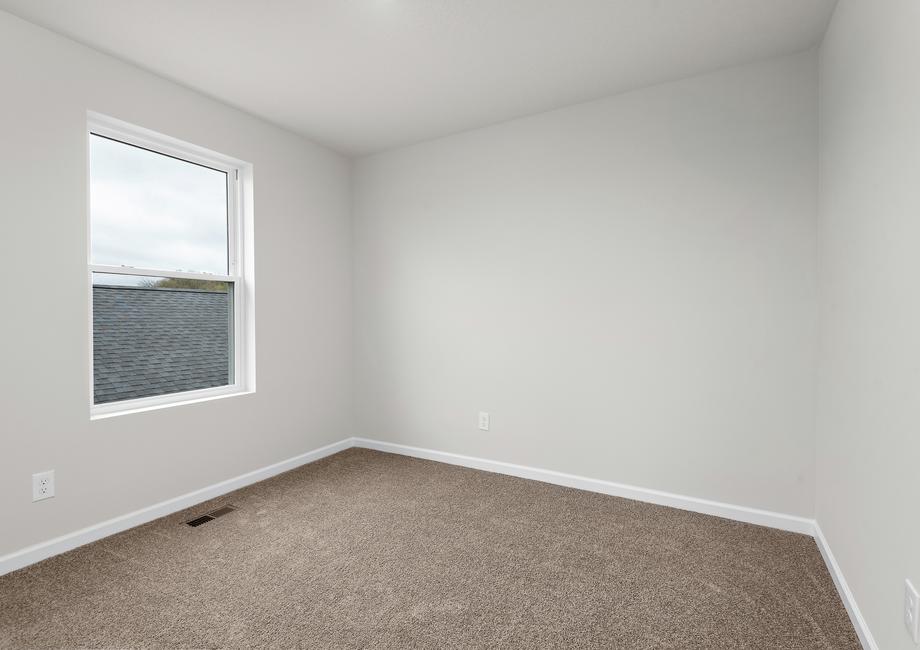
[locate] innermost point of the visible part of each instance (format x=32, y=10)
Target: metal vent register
x=214, y=514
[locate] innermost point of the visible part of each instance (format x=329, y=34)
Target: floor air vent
x=214, y=514
x=199, y=520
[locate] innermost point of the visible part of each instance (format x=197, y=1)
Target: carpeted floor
x=372, y=550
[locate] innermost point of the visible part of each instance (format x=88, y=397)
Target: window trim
x=239, y=262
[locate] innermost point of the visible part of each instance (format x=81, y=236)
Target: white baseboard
x=782, y=521
x=849, y=601
x=44, y=550
x=778, y=520
x=792, y=523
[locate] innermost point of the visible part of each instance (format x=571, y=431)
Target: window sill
x=126, y=407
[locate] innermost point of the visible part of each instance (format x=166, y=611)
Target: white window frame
x=239, y=260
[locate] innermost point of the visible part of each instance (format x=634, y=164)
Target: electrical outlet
x=43, y=485
x=483, y=420
x=912, y=611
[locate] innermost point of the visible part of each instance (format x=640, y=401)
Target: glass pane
x=148, y=210
x=156, y=336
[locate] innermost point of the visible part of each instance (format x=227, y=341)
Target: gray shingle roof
x=157, y=341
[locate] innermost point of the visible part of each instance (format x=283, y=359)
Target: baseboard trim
x=782, y=521
x=849, y=601
x=43, y=550
x=745, y=514
x=37, y=552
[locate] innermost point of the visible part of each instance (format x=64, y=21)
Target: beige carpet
x=371, y=550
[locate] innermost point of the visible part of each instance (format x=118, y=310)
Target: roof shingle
x=149, y=341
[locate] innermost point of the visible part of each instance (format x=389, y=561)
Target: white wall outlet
x=912, y=611
x=43, y=485
x=483, y=420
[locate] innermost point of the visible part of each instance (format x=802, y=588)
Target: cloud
x=152, y=211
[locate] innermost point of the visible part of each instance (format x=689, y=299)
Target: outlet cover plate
x=483, y=421
x=43, y=485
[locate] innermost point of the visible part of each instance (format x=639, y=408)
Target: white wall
x=869, y=399
x=628, y=286
x=110, y=467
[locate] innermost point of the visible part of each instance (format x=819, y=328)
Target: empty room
x=460, y=324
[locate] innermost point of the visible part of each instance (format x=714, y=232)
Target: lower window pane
x=157, y=336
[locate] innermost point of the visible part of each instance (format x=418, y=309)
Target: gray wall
x=628, y=286
x=869, y=402
x=107, y=468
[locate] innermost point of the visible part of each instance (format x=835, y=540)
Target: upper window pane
x=149, y=210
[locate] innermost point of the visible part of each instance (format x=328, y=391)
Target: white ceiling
x=366, y=75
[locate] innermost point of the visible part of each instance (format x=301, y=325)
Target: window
x=170, y=280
